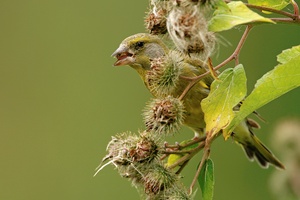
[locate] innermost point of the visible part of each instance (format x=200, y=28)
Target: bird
x=139, y=50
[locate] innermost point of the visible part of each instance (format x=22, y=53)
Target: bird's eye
x=139, y=45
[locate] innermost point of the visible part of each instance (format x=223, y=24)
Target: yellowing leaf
x=273, y=84
x=276, y=4
x=226, y=93
x=235, y=14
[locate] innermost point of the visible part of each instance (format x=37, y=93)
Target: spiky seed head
x=158, y=179
x=188, y=29
x=163, y=77
x=145, y=150
x=164, y=116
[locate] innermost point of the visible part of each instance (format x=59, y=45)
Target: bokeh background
x=61, y=100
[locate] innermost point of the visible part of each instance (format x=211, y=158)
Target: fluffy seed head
x=164, y=115
x=188, y=29
x=156, y=22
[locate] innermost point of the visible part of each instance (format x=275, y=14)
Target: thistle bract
x=127, y=148
x=164, y=116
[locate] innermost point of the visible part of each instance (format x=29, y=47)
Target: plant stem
x=178, y=152
x=181, y=146
x=189, y=153
x=188, y=156
x=211, y=69
x=210, y=138
x=292, y=17
x=296, y=9
x=262, y=8
x=203, y=160
x=234, y=56
x=285, y=20
x=193, y=80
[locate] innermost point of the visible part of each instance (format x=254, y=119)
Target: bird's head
x=138, y=50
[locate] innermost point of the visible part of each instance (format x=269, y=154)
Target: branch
x=286, y=20
x=188, y=156
x=210, y=138
x=181, y=146
x=292, y=17
x=234, y=56
x=296, y=8
x=204, y=158
x=188, y=153
x=262, y=8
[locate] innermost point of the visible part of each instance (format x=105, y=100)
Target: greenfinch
x=140, y=50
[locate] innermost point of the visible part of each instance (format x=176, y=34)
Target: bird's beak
x=123, y=55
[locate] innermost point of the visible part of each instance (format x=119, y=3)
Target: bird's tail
x=256, y=149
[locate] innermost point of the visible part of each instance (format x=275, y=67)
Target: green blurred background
x=62, y=100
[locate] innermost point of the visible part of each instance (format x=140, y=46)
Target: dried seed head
x=163, y=77
x=118, y=148
x=188, y=29
x=156, y=22
x=132, y=154
x=164, y=115
x=127, y=148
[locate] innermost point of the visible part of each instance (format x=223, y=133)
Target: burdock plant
x=188, y=89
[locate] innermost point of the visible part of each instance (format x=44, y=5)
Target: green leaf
x=236, y=13
x=288, y=54
x=226, y=93
x=276, y=4
x=283, y=78
x=206, y=180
